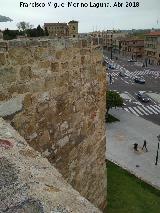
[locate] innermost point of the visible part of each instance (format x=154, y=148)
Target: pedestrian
x=135, y=146
x=156, y=158
x=110, y=78
x=145, y=145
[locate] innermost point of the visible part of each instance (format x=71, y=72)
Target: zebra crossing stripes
x=156, y=109
x=152, y=110
x=144, y=110
x=135, y=108
x=147, y=110
x=130, y=108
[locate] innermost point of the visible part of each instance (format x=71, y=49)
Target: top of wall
x=29, y=183
x=47, y=42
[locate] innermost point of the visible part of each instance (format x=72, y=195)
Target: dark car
x=143, y=97
x=111, y=66
x=139, y=80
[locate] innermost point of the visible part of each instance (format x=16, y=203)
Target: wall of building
x=53, y=92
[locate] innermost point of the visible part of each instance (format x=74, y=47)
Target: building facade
x=152, y=48
x=62, y=29
x=132, y=47
x=56, y=29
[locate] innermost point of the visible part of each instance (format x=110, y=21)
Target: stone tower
x=73, y=28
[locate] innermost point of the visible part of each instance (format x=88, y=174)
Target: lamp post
x=111, y=45
x=157, y=150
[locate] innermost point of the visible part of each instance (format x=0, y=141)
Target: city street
x=128, y=89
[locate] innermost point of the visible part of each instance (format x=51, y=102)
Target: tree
x=10, y=34
x=23, y=26
x=46, y=31
x=35, y=32
x=40, y=31
x=113, y=99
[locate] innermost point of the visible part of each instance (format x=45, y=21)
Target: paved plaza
x=120, y=139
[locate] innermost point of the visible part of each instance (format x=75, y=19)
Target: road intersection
x=128, y=89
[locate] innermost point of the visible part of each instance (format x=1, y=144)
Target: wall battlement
x=46, y=42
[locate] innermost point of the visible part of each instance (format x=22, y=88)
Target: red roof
x=153, y=34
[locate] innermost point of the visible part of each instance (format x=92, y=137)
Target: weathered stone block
x=25, y=73
x=44, y=64
x=2, y=58
x=8, y=75
x=59, y=54
x=54, y=66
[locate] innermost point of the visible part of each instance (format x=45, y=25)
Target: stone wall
x=57, y=90
x=29, y=183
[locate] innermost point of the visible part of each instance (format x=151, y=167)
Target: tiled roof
x=153, y=34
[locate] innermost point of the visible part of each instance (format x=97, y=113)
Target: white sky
x=144, y=16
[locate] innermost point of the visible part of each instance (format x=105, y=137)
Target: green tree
x=46, y=32
x=113, y=99
x=23, y=26
x=40, y=31
x=10, y=34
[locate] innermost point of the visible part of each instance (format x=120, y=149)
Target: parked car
x=143, y=97
x=110, y=66
x=139, y=80
x=122, y=74
x=132, y=60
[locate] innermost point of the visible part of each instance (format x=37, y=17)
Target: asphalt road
x=128, y=89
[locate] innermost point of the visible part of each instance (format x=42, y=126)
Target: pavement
x=120, y=139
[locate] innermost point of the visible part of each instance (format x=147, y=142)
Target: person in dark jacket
x=145, y=146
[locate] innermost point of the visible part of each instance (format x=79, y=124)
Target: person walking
x=135, y=147
x=145, y=146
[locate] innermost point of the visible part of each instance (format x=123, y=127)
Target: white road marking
x=155, y=109
x=151, y=109
x=135, y=108
x=147, y=110
x=132, y=111
x=140, y=108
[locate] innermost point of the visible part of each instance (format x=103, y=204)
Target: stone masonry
x=30, y=184
x=57, y=91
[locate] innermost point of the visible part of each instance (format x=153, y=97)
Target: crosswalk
x=137, y=73
x=144, y=110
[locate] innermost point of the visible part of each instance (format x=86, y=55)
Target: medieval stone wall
x=57, y=92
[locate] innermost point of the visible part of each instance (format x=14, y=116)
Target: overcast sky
x=144, y=16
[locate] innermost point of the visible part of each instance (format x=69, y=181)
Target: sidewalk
x=120, y=139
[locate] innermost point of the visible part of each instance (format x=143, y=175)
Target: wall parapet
x=60, y=43
x=29, y=183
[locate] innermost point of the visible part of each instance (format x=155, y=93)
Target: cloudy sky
x=143, y=16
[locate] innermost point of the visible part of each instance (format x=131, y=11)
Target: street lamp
x=159, y=140
x=111, y=45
